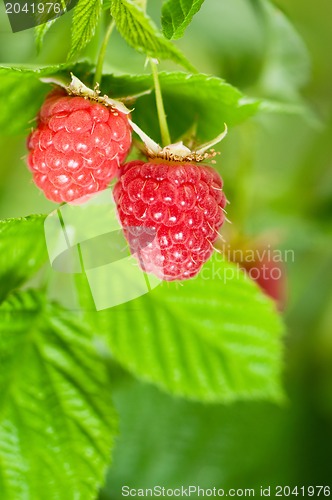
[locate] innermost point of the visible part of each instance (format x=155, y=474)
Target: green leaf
x=107, y=4
x=22, y=93
x=213, y=442
x=56, y=416
x=177, y=15
x=287, y=60
x=200, y=98
x=85, y=20
x=42, y=28
x=138, y=30
x=40, y=32
x=215, y=338
x=292, y=108
x=22, y=251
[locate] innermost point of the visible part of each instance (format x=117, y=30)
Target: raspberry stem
x=102, y=52
x=84, y=292
x=165, y=136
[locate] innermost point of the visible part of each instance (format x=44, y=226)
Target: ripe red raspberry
x=171, y=213
x=77, y=146
x=269, y=273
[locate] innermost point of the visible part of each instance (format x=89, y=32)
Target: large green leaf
x=215, y=338
x=287, y=61
x=56, y=416
x=22, y=93
x=202, y=444
x=188, y=98
x=209, y=101
x=85, y=20
x=177, y=15
x=204, y=99
x=140, y=33
x=22, y=251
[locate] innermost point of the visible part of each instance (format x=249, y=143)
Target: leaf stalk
x=102, y=53
x=165, y=135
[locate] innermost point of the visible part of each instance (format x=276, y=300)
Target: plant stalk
x=102, y=52
x=165, y=135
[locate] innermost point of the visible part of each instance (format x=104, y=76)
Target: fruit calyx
x=79, y=89
x=177, y=152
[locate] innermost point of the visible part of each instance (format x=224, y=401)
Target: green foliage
x=138, y=30
x=85, y=20
x=177, y=15
x=202, y=99
x=287, y=61
x=16, y=91
x=218, y=445
x=107, y=4
x=22, y=251
x=188, y=98
x=56, y=416
x=22, y=93
x=40, y=32
x=216, y=338
x=213, y=339
x=253, y=44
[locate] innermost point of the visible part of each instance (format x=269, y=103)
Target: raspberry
x=260, y=265
x=171, y=213
x=77, y=146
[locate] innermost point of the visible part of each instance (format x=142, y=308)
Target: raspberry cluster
x=170, y=208
x=77, y=147
x=171, y=214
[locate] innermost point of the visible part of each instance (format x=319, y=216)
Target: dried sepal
x=177, y=152
x=77, y=88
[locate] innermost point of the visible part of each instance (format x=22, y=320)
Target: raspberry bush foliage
x=207, y=333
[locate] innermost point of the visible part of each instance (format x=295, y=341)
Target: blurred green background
x=278, y=176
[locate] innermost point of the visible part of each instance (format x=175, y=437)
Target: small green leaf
x=213, y=338
x=177, y=15
x=204, y=99
x=22, y=251
x=40, y=32
x=42, y=28
x=85, y=20
x=138, y=30
x=56, y=416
